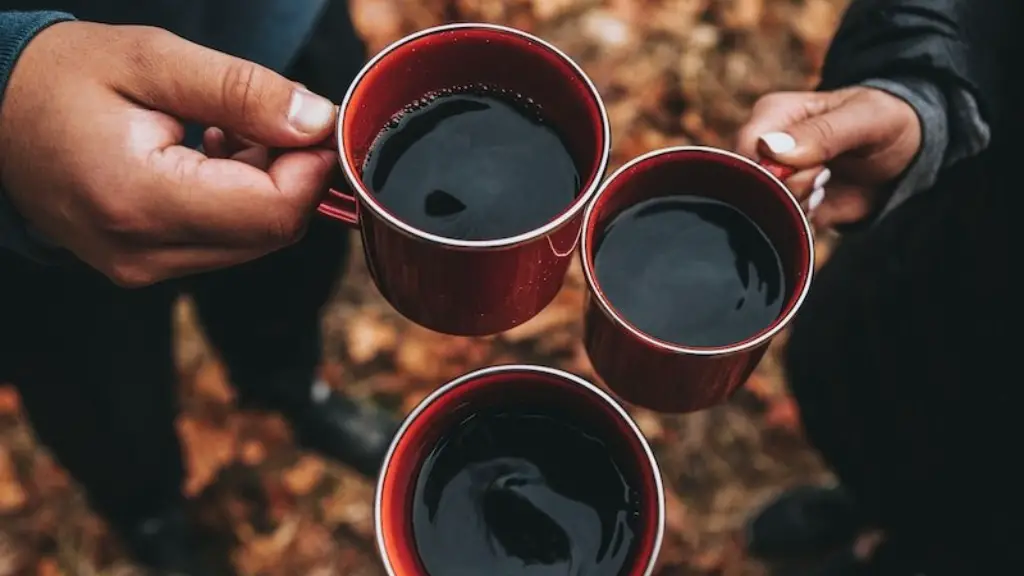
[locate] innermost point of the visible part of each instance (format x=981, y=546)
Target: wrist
x=929, y=104
x=17, y=30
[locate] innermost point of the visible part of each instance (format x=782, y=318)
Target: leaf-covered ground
x=671, y=72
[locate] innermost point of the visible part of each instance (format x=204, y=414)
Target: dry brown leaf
x=49, y=478
x=313, y=542
x=545, y=10
x=211, y=382
x=784, y=414
x=12, y=494
x=556, y=315
x=379, y=21
x=369, y=336
x=48, y=566
x=415, y=356
x=649, y=424
x=263, y=553
x=10, y=402
x=676, y=517
x=208, y=449
x=252, y=453
x=351, y=504
x=413, y=399
x=741, y=14
x=304, y=476
x=14, y=558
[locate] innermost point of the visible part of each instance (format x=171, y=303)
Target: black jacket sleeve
x=949, y=59
x=955, y=44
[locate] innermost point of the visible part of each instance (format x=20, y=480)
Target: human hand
x=866, y=137
x=91, y=154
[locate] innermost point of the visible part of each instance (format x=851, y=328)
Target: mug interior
x=472, y=55
x=507, y=387
x=716, y=175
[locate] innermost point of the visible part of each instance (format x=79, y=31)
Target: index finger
x=773, y=113
x=225, y=203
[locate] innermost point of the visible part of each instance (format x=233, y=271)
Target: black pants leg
x=94, y=368
x=899, y=362
x=93, y=362
x=264, y=316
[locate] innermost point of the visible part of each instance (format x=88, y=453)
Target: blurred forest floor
x=671, y=72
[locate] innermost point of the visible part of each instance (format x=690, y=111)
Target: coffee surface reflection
x=523, y=493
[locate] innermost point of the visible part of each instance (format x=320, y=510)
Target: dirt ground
x=671, y=72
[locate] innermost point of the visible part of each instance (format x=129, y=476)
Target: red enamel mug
x=667, y=377
x=468, y=287
x=508, y=386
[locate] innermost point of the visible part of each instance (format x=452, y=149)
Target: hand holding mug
x=866, y=138
x=91, y=154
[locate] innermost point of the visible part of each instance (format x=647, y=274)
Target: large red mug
x=468, y=287
x=506, y=387
x=664, y=376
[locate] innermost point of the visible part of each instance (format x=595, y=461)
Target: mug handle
x=780, y=171
x=340, y=206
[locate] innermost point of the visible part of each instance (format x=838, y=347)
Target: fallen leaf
x=369, y=336
x=304, y=476
x=12, y=494
x=253, y=453
x=211, y=382
x=207, y=450
x=10, y=402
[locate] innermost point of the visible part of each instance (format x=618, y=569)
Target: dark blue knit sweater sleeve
x=17, y=29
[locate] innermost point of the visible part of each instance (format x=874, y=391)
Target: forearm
x=17, y=29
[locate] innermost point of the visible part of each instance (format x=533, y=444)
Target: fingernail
x=309, y=113
x=822, y=178
x=816, y=199
x=778, y=142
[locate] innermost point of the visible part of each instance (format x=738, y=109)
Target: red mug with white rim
x=468, y=287
x=664, y=376
x=506, y=387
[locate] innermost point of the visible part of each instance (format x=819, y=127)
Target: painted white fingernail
x=778, y=142
x=816, y=199
x=822, y=178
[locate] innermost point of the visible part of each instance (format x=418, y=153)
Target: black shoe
x=338, y=428
x=165, y=545
x=804, y=522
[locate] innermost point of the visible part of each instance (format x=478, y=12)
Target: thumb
x=821, y=138
x=201, y=85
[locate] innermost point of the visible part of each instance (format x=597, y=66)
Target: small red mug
x=467, y=287
x=667, y=377
x=505, y=386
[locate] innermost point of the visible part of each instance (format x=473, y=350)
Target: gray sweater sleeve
x=952, y=129
x=17, y=29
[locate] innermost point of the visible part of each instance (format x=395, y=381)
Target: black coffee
x=523, y=494
x=690, y=271
x=472, y=165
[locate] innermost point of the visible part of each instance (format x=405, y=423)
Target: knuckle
x=288, y=229
x=824, y=132
x=242, y=89
x=145, y=45
x=146, y=51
